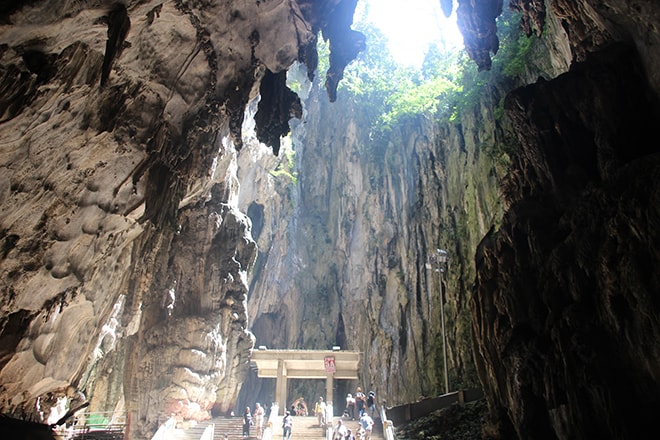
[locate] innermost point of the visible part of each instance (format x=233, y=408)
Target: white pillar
x=280, y=386
x=328, y=387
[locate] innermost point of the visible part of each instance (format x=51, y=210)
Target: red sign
x=330, y=366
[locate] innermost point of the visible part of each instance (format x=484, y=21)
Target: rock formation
x=564, y=306
x=342, y=249
x=351, y=237
x=127, y=251
x=564, y=309
x=581, y=136
x=124, y=256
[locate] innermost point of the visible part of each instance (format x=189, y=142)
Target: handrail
x=409, y=411
x=388, y=427
x=165, y=430
x=208, y=433
x=99, y=418
x=88, y=422
x=267, y=431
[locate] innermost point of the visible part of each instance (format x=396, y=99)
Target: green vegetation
x=447, y=85
x=285, y=175
x=286, y=167
x=515, y=47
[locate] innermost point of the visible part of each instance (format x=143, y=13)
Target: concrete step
x=231, y=426
x=304, y=428
x=308, y=428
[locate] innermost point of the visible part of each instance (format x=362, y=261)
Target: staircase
x=307, y=428
x=232, y=426
x=304, y=428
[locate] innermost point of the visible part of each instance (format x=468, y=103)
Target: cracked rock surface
x=124, y=257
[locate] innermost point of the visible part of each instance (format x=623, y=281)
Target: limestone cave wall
x=126, y=247
x=124, y=256
x=346, y=245
x=565, y=302
x=346, y=236
x=563, y=296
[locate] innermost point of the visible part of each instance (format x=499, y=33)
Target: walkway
x=304, y=428
x=308, y=428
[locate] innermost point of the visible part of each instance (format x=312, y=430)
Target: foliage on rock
x=447, y=84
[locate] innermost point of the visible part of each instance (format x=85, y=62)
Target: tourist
x=340, y=431
x=371, y=403
x=367, y=424
x=258, y=418
x=319, y=410
x=247, y=421
x=287, y=426
x=359, y=401
x=349, y=435
x=350, y=406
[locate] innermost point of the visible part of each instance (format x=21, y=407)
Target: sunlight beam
x=412, y=26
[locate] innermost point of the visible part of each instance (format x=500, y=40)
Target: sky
x=410, y=26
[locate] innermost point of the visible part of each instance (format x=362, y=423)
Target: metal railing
x=410, y=411
x=165, y=430
x=97, y=425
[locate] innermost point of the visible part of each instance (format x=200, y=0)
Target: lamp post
x=441, y=258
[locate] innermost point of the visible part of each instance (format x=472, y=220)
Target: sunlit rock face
x=343, y=244
x=124, y=258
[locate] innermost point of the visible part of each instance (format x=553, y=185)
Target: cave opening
x=412, y=28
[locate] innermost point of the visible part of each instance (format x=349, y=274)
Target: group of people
x=360, y=402
x=257, y=419
x=365, y=407
x=362, y=407
x=253, y=419
x=365, y=425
